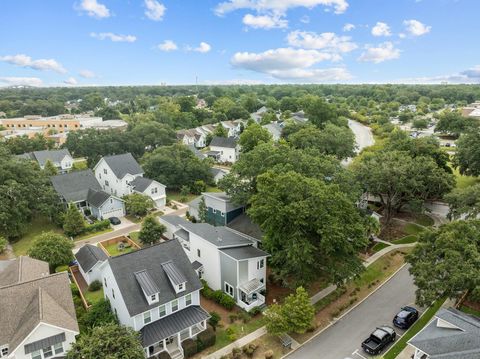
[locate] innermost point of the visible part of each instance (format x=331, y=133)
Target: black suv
x=405, y=318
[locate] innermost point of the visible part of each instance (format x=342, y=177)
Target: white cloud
x=416, y=28
x=71, y=81
x=94, y=8
x=305, y=19
x=87, y=74
x=381, y=29
x=469, y=76
x=383, y=52
x=264, y=21
x=291, y=64
x=21, y=81
x=278, y=6
x=113, y=37
x=348, y=27
x=155, y=10
x=203, y=48
x=167, y=46
x=327, y=40
x=40, y=64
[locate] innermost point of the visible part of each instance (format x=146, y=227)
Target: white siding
x=253, y=272
x=209, y=257
x=160, y=197
x=226, y=154
x=117, y=302
x=110, y=183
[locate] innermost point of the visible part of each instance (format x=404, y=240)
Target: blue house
x=220, y=210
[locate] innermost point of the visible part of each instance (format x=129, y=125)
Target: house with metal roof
x=224, y=149
x=37, y=315
x=156, y=291
x=451, y=334
x=220, y=209
x=228, y=260
x=90, y=259
x=121, y=175
x=83, y=190
x=61, y=159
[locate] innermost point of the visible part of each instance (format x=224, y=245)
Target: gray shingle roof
x=151, y=259
x=123, y=164
x=55, y=156
x=219, y=236
x=228, y=142
x=140, y=184
x=244, y=224
x=89, y=255
x=74, y=186
x=97, y=198
x=459, y=340
x=25, y=305
x=22, y=269
x=196, y=265
x=172, y=324
x=146, y=282
x=173, y=219
x=230, y=206
x=240, y=253
x=173, y=273
x=215, y=171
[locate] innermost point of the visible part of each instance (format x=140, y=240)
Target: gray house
x=220, y=208
x=61, y=159
x=83, y=189
x=450, y=335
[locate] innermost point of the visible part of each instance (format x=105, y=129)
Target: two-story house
x=228, y=260
x=224, y=149
x=121, y=175
x=37, y=315
x=61, y=159
x=156, y=292
x=220, y=209
x=83, y=190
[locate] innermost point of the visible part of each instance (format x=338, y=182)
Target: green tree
x=99, y=314
x=220, y=131
x=153, y=134
x=223, y=105
x=320, y=112
x=252, y=136
x=446, y=262
x=110, y=341
x=453, y=123
x=464, y=202
x=151, y=231
x=52, y=248
x=73, y=223
x=310, y=228
x=420, y=123
x=202, y=210
x=138, y=204
x=50, y=169
x=3, y=244
x=467, y=156
x=276, y=321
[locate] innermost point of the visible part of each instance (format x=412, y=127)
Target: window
x=228, y=289
x=181, y=287
x=262, y=280
x=105, y=281
x=188, y=299
x=260, y=263
x=58, y=348
x=106, y=183
x=198, y=253
x=47, y=352
x=105, y=170
x=3, y=352
x=153, y=298
x=37, y=354
x=113, y=294
x=147, y=318
x=162, y=311
x=154, y=190
x=174, y=305
x=111, y=200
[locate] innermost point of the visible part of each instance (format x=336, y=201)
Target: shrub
x=233, y=317
x=94, y=286
x=189, y=347
x=63, y=268
x=254, y=311
x=268, y=354
x=97, y=226
x=232, y=337
x=244, y=316
x=3, y=244
x=214, y=319
x=230, y=330
x=75, y=290
x=226, y=301
x=236, y=353
x=249, y=349
x=206, y=339
x=164, y=355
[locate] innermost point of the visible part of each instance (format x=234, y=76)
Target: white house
x=119, y=175
x=228, y=260
x=218, y=173
x=156, y=292
x=61, y=159
x=224, y=149
x=275, y=129
x=233, y=128
x=37, y=315
x=90, y=259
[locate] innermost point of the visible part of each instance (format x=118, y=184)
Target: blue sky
x=149, y=42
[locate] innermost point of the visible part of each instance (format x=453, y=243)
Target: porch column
x=190, y=332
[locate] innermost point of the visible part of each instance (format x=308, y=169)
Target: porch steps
x=176, y=354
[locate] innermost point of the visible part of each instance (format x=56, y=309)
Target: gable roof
x=25, y=305
x=228, y=142
x=175, y=275
x=150, y=259
x=123, y=164
x=55, y=156
x=146, y=282
x=173, y=219
x=216, y=171
x=89, y=255
x=218, y=236
x=450, y=335
x=22, y=269
x=74, y=186
x=140, y=184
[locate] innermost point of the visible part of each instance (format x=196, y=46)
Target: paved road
x=343, y=339
x=363, y=135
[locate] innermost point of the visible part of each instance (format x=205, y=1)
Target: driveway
x=343, y=339
x=363, y=137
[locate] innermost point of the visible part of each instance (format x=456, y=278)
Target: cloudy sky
x=141, y=42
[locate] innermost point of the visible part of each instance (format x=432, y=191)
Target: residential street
x=343, y=339
x=363, y=135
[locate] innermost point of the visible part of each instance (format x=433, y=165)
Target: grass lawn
x=414, y=329
x=424, y=220
x=90, y=235
x=412, y=228
x=112, y=249
x=93, y=297
x=464, y=181
x=379, y=246
x=37, y=226
x=176, y=196
x=134, y=237
x=469, y=310
x=406, y=240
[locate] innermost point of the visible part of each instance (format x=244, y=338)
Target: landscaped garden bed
x=118, y=245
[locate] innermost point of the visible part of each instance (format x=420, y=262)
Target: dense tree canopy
x=137, y=204
x=23, y=144
x=152, y=230
x=453, y=123
x=252, y=136
x=464, y=202
x=53, y=248
x=467, y=156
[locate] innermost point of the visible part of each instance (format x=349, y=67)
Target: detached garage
x=89, y=259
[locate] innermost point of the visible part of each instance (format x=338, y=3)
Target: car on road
x=405, y=318
x=379, y=340
x=114, y=220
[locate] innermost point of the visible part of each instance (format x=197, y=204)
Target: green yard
x=176, y=196
x=113, y=250
x=36, y=227
x=406, y=240
x=469, y=310
x=412, y=229
x=90, y=235
x=93, y=297
x=465, y=181
x=134, y=237
x=424, y=220
x=379, y=246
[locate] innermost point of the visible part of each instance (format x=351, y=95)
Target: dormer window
x=105, y=171
x=153, y=298
x=181, y=287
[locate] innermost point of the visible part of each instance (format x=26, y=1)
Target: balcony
x=252, y=303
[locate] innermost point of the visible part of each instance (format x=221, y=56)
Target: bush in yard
x=226, y=301
x=97, y=315
x=97, y=226
x=53, y=248
x=236, y=353
x=73, y=222
x=189, y=347
x=249, y=349
x=214, y=319
x=164, y=355
x=95, y=285
x=233, y=317
x=254, y=311
x=3, y=244
x=138, y=204
x=151, y=231
x=268, y=354
x=198, y=187
x=244, y=316
x=206, y=339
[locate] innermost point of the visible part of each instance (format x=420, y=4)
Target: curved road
x=363, y=137
x=343, y=339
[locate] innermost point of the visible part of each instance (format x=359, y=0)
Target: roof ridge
x=35, y=279
x=40, y=303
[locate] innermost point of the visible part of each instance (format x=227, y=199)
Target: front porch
x=249, y=295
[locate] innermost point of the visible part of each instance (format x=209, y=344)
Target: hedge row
x=218, y=296
x=97, y=226
x=204, y=340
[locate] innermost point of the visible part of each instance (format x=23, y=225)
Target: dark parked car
x=379, y=340
x=114, y=220
x=405, y=318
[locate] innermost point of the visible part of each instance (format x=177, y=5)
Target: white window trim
x=147, y=315
x=227, y=291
